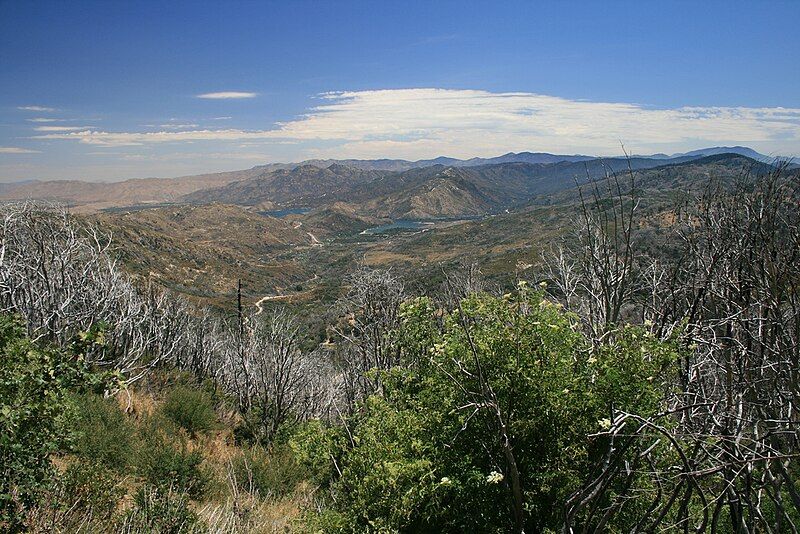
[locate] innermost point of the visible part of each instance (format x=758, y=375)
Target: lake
x=285, y=212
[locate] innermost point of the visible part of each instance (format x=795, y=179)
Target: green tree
x=499, y=418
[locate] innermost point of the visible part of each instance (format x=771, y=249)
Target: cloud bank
x=421, y=123
x=61, y=128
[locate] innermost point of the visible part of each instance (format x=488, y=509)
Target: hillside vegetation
x=202, y=251
x=621, y=357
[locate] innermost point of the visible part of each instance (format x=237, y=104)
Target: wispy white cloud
x=221, y=118
x=61, y=128
x=224, y=95
x=17, y=150
x=41, y=109
x=46, y=120
x=419, y=123
x=101, y=138
x=175, y=126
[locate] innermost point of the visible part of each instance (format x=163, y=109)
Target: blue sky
x=111, y=90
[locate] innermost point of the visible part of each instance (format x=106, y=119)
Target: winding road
x=260, y=303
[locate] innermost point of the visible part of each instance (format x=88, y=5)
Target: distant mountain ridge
x=93, y=196
x=292, y=186
x=404, y=165
x=741, y=150
x=527, y=157
x=515, y=211
x=276, y=183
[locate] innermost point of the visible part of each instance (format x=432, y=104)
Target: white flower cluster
x=494, y=477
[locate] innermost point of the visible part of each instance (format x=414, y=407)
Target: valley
x=291, y=235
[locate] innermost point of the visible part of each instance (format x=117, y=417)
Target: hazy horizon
x=623, y=153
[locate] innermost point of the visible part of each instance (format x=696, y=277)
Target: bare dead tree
x=275, y=381
x=724, y=454
x=60, y=277
x=369, y=330
x=461, y=283
x=599, y=274
x=49, y=272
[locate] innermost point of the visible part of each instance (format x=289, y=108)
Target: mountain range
x=426, y=192
x=394, y=187
x=740, y=150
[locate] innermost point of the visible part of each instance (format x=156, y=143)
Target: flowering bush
x=494, y=379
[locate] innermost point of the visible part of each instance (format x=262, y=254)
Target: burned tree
x=724, y=454
x=275, y=381
x=368, y=330
x=599, y=274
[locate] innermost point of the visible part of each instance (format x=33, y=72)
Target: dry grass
x=226, y=508
x=136, y=403
x=246, y=513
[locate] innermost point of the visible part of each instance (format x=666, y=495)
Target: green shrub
x=313, y=446
x=104, y=433
x=35, y=415
x=83, y=500
x=167, y=464
x=191, y=409
x=273, y=473
x=151, y=445
x=426, y=455
x=90, y=491
x=160, y=510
